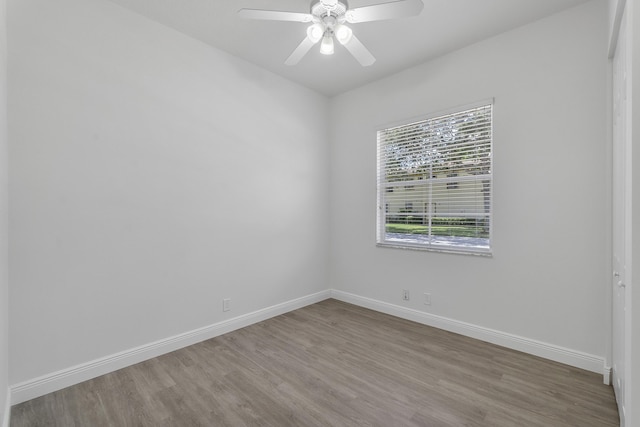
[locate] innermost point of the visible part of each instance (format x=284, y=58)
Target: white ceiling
x=443, y=26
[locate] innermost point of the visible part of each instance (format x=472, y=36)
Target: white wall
x=632, y=369
x=4, y=266
x=547, y=277
x=616, y=7
x=151, y=177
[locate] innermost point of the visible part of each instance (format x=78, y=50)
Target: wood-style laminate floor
x=333, y=364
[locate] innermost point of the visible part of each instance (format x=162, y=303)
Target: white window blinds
x=434, y=182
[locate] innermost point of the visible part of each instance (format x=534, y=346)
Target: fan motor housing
x=324, y=8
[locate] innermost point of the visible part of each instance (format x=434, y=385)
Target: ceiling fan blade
x=300, y=51
x=388, y=10
x=274, y=15
x=361, y=53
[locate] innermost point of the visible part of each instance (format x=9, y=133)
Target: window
x=446, y=161
x=452, y=184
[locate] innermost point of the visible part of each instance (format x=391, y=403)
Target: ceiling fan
x=329, y=19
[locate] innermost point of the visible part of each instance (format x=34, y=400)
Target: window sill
x=482, y=252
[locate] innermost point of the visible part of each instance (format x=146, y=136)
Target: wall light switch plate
x=427, y=298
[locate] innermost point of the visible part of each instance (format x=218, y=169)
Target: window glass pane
x=434, y=182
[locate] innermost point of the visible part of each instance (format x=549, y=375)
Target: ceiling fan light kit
x=330, y=19
x=315, y=33
x=326, y=47
x=343, y=34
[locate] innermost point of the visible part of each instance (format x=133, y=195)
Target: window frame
x=382, y=189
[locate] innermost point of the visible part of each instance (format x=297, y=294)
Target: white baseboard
x=548, y=351
x=40, y=386
x=606, y=374
x=6, y=411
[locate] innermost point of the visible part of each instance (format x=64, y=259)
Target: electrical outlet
x=427, y=298
x=226, y=304
x=405, y=294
